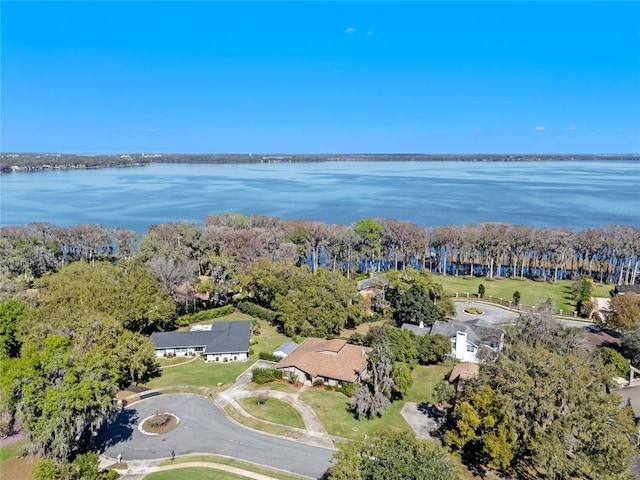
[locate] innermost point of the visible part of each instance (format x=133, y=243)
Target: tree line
x=228, y=243
x=43, y=161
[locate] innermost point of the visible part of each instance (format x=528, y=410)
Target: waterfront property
x=224, y=342
x=332, y=361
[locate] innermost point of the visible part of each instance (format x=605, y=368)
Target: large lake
x=540, y=194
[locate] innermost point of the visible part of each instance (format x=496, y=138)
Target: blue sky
x=320, y=77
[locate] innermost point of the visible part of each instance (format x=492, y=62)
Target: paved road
x=203, y=428
x=496, y=315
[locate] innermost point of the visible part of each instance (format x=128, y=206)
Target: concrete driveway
x=491, y=314
x=203, y=428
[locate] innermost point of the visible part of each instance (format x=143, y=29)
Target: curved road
x=203, y=428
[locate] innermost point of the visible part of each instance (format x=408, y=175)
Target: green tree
x=394, y=456
x=432, y=348
x=370, y=235
x=60, y=395
x=516, y=297
x=625, y=312
x=402, y=379
x=11, y=313
x=413, y=306
x=444, y=392
x=538, y=410
x=481, y=290
x=614, y=360
x=581, y=290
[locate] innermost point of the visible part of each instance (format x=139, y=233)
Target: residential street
x=203, y=428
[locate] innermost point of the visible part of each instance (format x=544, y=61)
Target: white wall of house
x=178, y=352
x=464, y=350
x=227, y=357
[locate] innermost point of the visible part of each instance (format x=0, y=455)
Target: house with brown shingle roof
x=332, y=361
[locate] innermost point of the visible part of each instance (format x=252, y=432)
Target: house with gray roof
x=466, y=337
x=224, y=342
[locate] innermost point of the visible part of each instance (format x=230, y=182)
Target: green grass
x=279, y=386
x=333, y=410
x=424, y=379
x=194, y=473
x=272, y=410
x=531, y=292
x=233, y=462
x=12, y=450
x=202, y=374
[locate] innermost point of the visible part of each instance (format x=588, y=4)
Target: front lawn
x=424, y=379
x=333, y=410
x=233, y=462
x=272, y=410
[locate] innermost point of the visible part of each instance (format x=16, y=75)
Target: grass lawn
x=531, y=292
x=333, y=410
x=424, y=379
x=194, y=473
x=272, y=410
x=12, y=465
x=201, y=374
x=279, y=386
x=233, y=462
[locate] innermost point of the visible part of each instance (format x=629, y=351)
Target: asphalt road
x=203, y=428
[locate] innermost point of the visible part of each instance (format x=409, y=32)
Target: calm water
x=539, y=194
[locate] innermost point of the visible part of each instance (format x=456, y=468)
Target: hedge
x=257, y=311
x=265, y=375
x=205, y=315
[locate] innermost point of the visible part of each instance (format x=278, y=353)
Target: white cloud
x=369, y=32
x=539, y=128
x=592, y=134
x=350, y=30
x=572, y=127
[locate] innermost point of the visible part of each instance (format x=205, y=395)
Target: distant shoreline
x=31, y=162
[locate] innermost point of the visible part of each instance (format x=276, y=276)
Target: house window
x=471, y=348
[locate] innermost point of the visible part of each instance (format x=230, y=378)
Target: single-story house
x=332, y=361
x=285, y=349
x=372, y=290
x=225, y=342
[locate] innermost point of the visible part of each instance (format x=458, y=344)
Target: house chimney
x=364, y=352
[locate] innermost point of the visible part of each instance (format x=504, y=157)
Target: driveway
x=203, y=428
x=490, y=313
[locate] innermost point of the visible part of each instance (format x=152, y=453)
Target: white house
x=224, y=342
x=466, y=337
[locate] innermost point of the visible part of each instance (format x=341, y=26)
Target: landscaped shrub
x=205, y=315
x=473, y=310
x=348, y=388
x=257, y=311
x=268, y=356
x=265, y=375
x=318, y=382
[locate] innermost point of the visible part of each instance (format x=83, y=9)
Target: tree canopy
x=544, y=409
x=394, y=456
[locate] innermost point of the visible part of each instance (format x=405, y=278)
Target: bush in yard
x=318, y=382
x=265, y=375
x=257, y=311
x=268, y=356
x=205, y=315
x=348, y=388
